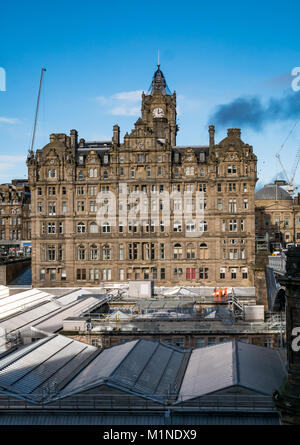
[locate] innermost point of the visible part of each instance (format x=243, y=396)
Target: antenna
x=37, y=109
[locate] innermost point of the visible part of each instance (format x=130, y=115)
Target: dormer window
x=202, y=157
x=176, y=157
x=81, y=160
x=105, y=159
x=52, y=173
x=231, y=169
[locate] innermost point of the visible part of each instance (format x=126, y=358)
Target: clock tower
x=159, y=109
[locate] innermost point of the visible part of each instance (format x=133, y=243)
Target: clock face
x=158, y=112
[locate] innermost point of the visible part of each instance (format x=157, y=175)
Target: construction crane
x=37, y=110
x=290, y=180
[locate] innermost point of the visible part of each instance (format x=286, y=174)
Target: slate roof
x=272, y=192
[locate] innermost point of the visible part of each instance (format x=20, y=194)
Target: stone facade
x=15, y=225
x=65, y=177
x=277, y=216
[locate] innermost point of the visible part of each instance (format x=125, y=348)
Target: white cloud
x=130, y=96
x=125, y=111
x=124, y=103
x=8, y=120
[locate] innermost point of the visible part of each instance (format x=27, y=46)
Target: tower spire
x=158, y=64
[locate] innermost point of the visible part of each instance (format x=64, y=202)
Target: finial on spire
x=158, y=64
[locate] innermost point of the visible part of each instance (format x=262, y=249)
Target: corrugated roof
x=214, y=368
x=209, y=369
x=36, y=370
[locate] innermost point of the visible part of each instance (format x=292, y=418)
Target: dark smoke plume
x=252, y=112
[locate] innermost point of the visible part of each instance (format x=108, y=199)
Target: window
x=162, y=274
x=203, y=227
x=159, y=171
x=81, y=253
x=190, y=251
x=105, y=174
x=245, y=203
x=51, y=253
x=51, y=191
x=132, y=172
x=80, y=190
x=245, y=187
x=232, y=206
x=202, y=172
x=242, y=225
x=203, y=251
x=80, y=206
x=93, y=252
x=245, y=273
x=200, y=342
x=223, y=225
x=52, y=208
x=40, y=207
x=162, y=251
x=81, y=227
x=219, y=187
x=106, y=252
x=232, y=225
x=178, y=272
x=93, y=206
x=222, y=273
x=52, y=173
x=268, y=342
x=219, y=205
x=51, y=228
x=231, y=169
x=81, y=274
x=233, y=274
x=232, y=187
x=121, y=274
x=211, y=341
x=42, y=275
x=64, y=190
x=190, y=226
x=39, y=191
x=106, y=227
x=52, y=274
x=203, y=273
x=202, y=188
x=64, y=206
x=121, y=252
x=190, y=273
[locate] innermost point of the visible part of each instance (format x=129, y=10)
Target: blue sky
x=100, y=55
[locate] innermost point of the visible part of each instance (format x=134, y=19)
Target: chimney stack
x=116, y=135
x=211, y=131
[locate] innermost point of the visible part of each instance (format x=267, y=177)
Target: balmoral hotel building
x=72, y=248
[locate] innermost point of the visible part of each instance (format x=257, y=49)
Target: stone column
x=287, y=398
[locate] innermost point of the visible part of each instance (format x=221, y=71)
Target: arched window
x=94, y=227
x=106, y=227
x=93, y=252
x=203, y=251
x=105, y=174
x=81, y=253
x=177, y=251
x=190, y=251
x=81, y=227
x=203, y=226
x=106, y=252
x=177, y=227
x=80, y=175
